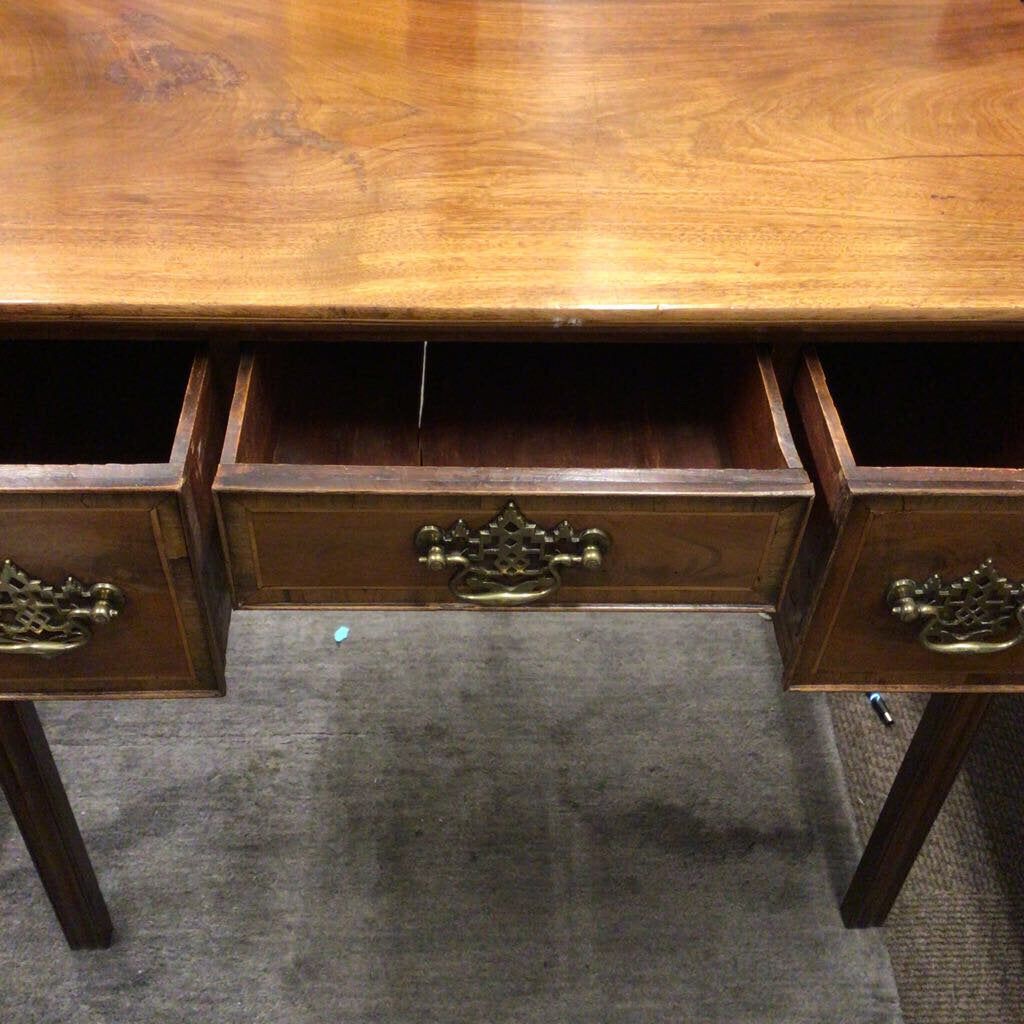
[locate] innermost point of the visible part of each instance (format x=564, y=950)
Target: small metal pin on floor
x=881, y=709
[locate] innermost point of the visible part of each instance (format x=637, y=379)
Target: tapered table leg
x=930, y=767
x=40, y=806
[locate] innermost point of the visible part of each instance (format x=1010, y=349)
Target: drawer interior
x=939, y=404
x=516, y=405
x=91, y=402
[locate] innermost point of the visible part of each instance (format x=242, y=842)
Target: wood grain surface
x=564, y=162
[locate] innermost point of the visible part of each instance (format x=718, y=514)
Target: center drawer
x=527, y=474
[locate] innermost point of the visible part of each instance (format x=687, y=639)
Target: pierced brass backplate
x=510, y=561
x=980, y=613
x=37, y=618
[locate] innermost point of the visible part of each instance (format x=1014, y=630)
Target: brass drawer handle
x=36, y=618
x=510, y=561
x=980, y=613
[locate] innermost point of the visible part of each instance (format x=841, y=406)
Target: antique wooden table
x=510, y=304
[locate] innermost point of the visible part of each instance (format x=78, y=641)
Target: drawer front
x=359, y=548
x=855, y=640
x=113, y=580
x=137, y=545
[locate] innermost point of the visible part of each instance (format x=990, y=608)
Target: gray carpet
x=459, y=818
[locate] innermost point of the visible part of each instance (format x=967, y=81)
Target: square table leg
x=34, y=790
x=929, y=769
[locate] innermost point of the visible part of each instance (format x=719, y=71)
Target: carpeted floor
x=956, y=936
x=459, y=818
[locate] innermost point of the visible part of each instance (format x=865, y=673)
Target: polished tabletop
x=548, y=161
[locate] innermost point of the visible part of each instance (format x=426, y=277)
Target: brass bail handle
x=511, y=561
x=40, y=619
x=980, y=613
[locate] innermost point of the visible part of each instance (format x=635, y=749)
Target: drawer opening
x=91, y=402
x=944, y=404
x=514, y=405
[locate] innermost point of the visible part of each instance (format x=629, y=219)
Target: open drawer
x=911, y=573
x=111, y=577
x=525, y=474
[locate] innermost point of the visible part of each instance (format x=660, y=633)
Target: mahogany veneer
x=551, y=162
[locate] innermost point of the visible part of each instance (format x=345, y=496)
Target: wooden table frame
x=40, y=806
x=249, y=168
